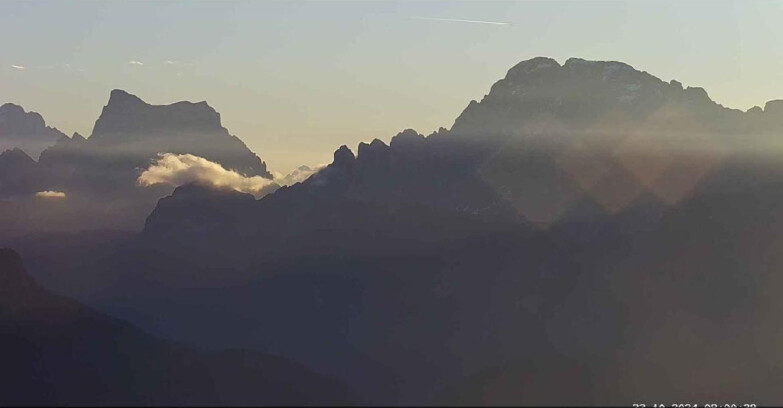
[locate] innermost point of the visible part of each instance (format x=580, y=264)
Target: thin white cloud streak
x=18, y=67
x=50, y=194
x=134, y=62
x=179, y=169
x=458, y=20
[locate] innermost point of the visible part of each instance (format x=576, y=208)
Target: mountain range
x=98, y=175
x=25, y=130
x=584, y=227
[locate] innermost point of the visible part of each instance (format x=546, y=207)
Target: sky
x=295, y=79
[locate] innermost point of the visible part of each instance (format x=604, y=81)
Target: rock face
x=130, y=134
x=580, y=93
x=59, y=352
x=25, y=130
x=128, y=125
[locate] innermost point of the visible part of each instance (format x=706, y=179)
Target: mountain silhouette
x=130, y=134
x=60, y=352
x=99, y=174
x=549, y=143
x=25, y=130
x=584, y=224
x=527, y=234
x=19, y=174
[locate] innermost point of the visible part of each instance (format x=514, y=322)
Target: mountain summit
x=129, y=126
x=25, y=130
x=99, y=174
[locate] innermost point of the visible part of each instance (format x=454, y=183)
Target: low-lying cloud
x=179, y=169
x=50, y=194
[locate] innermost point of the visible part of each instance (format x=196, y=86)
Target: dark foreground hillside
x=58, y=352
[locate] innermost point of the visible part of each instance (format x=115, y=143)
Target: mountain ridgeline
x=585, y=234
x=25, y=130
x=548, y=144
x=98, y=175
x=536, y=230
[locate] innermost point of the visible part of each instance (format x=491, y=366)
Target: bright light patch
x=179, y=169
x=50, y=194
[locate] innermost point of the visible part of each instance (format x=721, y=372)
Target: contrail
x=457, y=20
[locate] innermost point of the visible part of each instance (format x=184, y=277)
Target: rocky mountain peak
x=576, y=93
x=15, y=121
x=120, y=98
x=126, y=113
x=532, y=65
x=16, y=156
x=343, y=157
x=25, y=130
x=376, y=151
x=406, y=138
x=11, y=109
x=774, y=107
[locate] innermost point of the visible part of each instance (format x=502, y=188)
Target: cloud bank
x=50, y=194
x=179, y=169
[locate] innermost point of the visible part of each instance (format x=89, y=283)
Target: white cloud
x=135, y=62
x=50, y=194
x=18, y=67
x=179, y=169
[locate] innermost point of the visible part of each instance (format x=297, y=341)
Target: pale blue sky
x=296, y=79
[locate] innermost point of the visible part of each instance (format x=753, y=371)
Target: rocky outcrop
x=136, y=131
x=19, y=174
x=25, y=130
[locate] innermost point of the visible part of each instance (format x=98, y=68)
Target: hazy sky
x=296, y=79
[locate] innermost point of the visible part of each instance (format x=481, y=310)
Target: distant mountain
x=19, y=174
x=499, y=238
x=130, y=134
x=98, y=175
x=128, y=125
x=59, y=352
x=549, y=143
x=584, y=224
x=25, y=130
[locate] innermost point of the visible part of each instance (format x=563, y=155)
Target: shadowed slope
x=57, y=351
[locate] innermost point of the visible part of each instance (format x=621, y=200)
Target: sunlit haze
x=295, y=79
